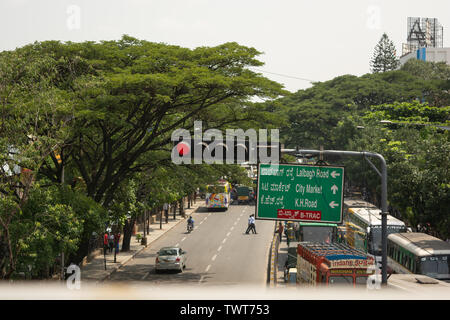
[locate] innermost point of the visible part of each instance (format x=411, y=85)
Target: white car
x=170, y=258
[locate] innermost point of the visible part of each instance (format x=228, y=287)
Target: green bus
x=317, y=232
x=419, y=253
x=245, y=194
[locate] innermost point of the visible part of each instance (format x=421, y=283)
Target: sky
x=300, y=41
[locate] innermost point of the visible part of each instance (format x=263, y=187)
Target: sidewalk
x=94, y=270
x=282, y=256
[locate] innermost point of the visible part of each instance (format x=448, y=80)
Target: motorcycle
x=190, y=227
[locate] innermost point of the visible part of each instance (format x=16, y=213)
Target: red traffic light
x=183, y=148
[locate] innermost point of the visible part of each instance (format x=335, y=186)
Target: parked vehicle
x=170, y=258
x=419, y=253
x=328, y=264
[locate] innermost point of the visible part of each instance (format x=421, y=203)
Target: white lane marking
x=220, y=248
x=207, y=268
x=177, y=245
x=214, y=257
x=235, y=223
x=224, y=240
x=241, y=214
x=228, y=234
x=145, y=275
x=201, y=222
x=201, y=279
x=183, y=239
x=231, y=228
x=209, y=214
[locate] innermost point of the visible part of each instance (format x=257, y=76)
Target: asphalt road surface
x=218, y=252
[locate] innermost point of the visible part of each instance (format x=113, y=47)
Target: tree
x=115, y=105
x=129, y=95
x=314, y=113
x=437, y=73
x=32, y=127
x=384, y=57
x=417, y=154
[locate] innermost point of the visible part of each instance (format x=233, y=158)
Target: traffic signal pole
x=382, y=174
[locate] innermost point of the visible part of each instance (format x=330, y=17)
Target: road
x=218, y=250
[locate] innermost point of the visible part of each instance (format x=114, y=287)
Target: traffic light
x=231, y=151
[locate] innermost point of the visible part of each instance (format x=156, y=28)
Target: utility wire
x=286, y=76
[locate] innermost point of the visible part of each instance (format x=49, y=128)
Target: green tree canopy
x=384, y=57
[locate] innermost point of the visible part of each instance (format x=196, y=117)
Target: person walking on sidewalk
x=105, y=242
x=280, y=230
x=116, y=240
x=166, y=207
x=286, y=233
x=111, y=242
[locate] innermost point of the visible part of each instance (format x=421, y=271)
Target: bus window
x=316, y=233
x=361, y=280
x=444, y=265
x=375, y=237
x=390, y=250
x=427, y=266
x=340, y=280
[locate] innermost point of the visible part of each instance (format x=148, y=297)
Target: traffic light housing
x=197, y=151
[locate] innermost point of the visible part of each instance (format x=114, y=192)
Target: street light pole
x=104, y=255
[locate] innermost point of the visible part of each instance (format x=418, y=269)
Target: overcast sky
x=315, y=40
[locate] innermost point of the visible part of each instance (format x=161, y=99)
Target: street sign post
x=300, y=193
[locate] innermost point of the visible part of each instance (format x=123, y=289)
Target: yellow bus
x=218, y=196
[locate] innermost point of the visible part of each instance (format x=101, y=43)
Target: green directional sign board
x=300, y=193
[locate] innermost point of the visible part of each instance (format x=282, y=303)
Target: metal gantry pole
x=383, y=175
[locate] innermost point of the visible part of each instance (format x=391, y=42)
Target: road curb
x=273, y=263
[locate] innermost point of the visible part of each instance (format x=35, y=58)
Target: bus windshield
x=216, y=189
x=375, y=241
x=340, y=280
x=436, y=266
x=317, y=233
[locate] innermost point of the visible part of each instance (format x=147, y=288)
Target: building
x=428, y=54
x=425, y=38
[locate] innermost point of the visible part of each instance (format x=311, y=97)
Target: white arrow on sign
x=333, y=204
x=334, y=188
x=334, y=174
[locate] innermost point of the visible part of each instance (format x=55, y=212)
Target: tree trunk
x=83, y=250
x=127, y=232
x=182, y=207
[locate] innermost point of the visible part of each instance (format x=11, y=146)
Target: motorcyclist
x=190, y=222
